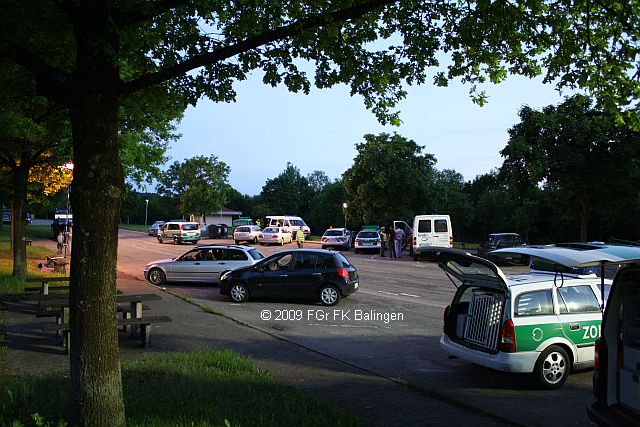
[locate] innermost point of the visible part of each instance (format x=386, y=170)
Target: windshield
x=243, y=229
x=271, y=230
x=368, y=235
x=297, y=222
x=190, y=226
x=330, y=233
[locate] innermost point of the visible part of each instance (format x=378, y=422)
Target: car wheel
x=552, y=367
x=261, y=244
x=176, y=241
x=157, y=277
x=323, y=247
x=159, y=239
x=329, y=295
x=355, y=251
x=239, y=293
x=281, y=242
x=237, y=242
x=255, y=240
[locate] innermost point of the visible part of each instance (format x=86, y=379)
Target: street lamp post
x=146, y=209
x=344, y=211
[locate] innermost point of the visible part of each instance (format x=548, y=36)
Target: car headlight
x=225, y=275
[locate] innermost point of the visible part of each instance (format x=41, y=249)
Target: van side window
x=577, y=299
x=424, y=226
x=537, y=303
x=440, y=226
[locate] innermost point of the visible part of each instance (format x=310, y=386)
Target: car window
x=297, y=222
x=194, y=255
x=340, y=261
x=330, y=233
x=243, y=229
x=536, y=303
x=424, y=226
x=368, y=234
x=255, y=254
x=577, y=299
x=280, y=263
x=235, y=255
x=305, y=261
x=190, y=227
x=271, y=230
x=217, y=254
x=174, y=227
x=440, y=226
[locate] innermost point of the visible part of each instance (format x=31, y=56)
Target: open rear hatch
x=474, y=319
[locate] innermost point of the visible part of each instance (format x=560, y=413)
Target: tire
x=157, y=277
x=323, y=247
x=329, y=295
x=261, y=244
x=281, y=242
x=255, y=240
x=552, y=367
x=159, y=239
x=355, y=251
x=237, y=242
x=176, y=241
x=239, y=293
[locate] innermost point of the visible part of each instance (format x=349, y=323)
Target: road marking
x=388, y=293
x=409, y=295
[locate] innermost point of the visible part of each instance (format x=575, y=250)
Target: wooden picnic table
x=140, y=326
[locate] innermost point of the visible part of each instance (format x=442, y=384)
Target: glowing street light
x=344, y=210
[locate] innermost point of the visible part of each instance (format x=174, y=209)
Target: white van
x=431, y=230
x=289, y=223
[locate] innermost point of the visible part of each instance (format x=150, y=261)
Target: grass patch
x=204, y=388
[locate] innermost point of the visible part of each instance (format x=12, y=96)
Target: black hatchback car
x=323, y=275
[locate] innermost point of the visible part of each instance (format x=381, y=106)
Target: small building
x=223, y=216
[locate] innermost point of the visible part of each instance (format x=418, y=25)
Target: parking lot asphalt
x=375, y=400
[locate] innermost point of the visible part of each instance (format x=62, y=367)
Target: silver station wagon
x=203, y=264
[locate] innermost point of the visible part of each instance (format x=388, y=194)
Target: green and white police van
x=543, y=322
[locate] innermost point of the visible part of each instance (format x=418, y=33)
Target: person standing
x=60, y=240
x=300, y=237
x=383, y=241
x=399, y=241
x=391, y=241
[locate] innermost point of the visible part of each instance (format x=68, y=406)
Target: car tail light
x=324, y=239
x=508, y=339
x=596, y=355
x=444, y=320
x=343, y=272
x=451, y=241
x=340, y=239
x=415, y=240
x=358, y=241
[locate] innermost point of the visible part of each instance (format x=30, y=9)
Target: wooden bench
x=28, y=242
x=58, y=264
x=44, y=287
x=143, y=323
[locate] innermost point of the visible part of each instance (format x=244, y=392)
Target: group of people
x=394, y=239
x=63, y=241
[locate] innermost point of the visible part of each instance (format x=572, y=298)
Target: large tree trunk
x=96, y=195
x=19, y=178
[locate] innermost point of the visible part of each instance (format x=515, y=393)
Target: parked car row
x=243, y=272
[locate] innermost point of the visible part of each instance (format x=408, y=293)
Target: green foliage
x=390, y=179
x=199, y=184
x=178, y=389
x=287, y=194
x=577, y=152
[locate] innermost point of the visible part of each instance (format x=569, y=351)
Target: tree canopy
x=198, y=184
x=91, y=56
x=390, y=178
